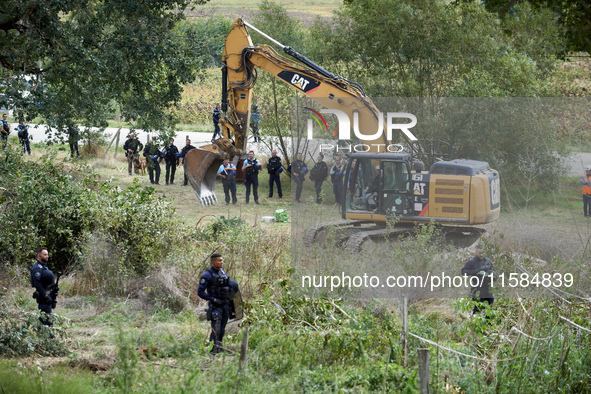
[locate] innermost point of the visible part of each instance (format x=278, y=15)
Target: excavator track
x=354, y=234
x=318, y=232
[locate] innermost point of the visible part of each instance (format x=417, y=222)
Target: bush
x=48, y=205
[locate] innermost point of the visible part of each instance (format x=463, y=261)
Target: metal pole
x=274, y=41
x=424, y=370
x=405, y=330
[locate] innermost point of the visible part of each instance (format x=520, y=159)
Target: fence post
x=405, y=330
x=243, y=350
x=424, y=370
x=117, y=142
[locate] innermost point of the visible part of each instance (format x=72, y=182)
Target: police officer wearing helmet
x=42, y=279
x=586, y=183
x=274, y=168
x=216, y=287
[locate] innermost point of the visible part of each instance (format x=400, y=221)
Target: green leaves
x=85, y=56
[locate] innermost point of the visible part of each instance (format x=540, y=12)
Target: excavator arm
x=241, y=59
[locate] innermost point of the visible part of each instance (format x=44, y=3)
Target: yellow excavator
x=380, y=186
x=240, y=60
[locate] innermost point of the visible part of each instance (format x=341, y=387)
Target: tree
x=573, y=15
x=77, y=60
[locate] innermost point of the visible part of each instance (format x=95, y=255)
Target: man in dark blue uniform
x=337, y=173
x=481, y=267
x=42, y=279
x=170, y=157
x=274, y=168
x=227, y=172
x=4, y=130
x=216, y=122
x=298, y=170
x=184, y=151
x=216, y=287
x=153, y=157
x=251, y=167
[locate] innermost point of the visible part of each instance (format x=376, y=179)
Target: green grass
x=35, y=377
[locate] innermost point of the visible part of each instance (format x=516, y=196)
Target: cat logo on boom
x=305, y=84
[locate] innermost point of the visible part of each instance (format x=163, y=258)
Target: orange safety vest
x=586, y=189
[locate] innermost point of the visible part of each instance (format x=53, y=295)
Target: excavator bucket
x=201, y=167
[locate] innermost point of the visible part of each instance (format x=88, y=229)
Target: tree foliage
x=574, y=16
x=75, y=60
x=45, y=204
x=433, y=48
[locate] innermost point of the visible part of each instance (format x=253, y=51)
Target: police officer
x=586, y=183
x=337, y=173
x=255, y=119
x=251, y=168
x=482, y=268
x=298, y=171
x=227, y=172
x=73, y=138
x=217, y=111
x=153, y=156
x=216, y=287
x=170, y=157
x=4, y=130
x=184, y=151
x=42, y=279
x=274, y=169
x=23, y=136
x=132, y=148
x=318, y=175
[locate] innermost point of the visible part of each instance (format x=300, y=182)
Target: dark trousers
x=46, y=320
x=587, y=204
x=216, y=131
x=170, y=170
x=26, y=145
x=318, y=186
x=74, y=148
x=153, y=167
x=480, y=304
x=339, y=191
x=252, y=179
x=299, y=185
x=255, y=134
x=4, y=140
x=219, y=320
x=230, y=187
x=274, y=178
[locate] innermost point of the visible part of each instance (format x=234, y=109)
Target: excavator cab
x=378, y=184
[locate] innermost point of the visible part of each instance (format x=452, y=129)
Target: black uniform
x=183, y=153
x=216, y=287
x=42, y=279
x=4, y=132
x=252, y=178
x=273, y=167
x=318, y=175
x=298, y=167
x=170, y=157
x=135, y=147
x=337, y=173
x=480, y=293
x=153, y=155
x=73, y=137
